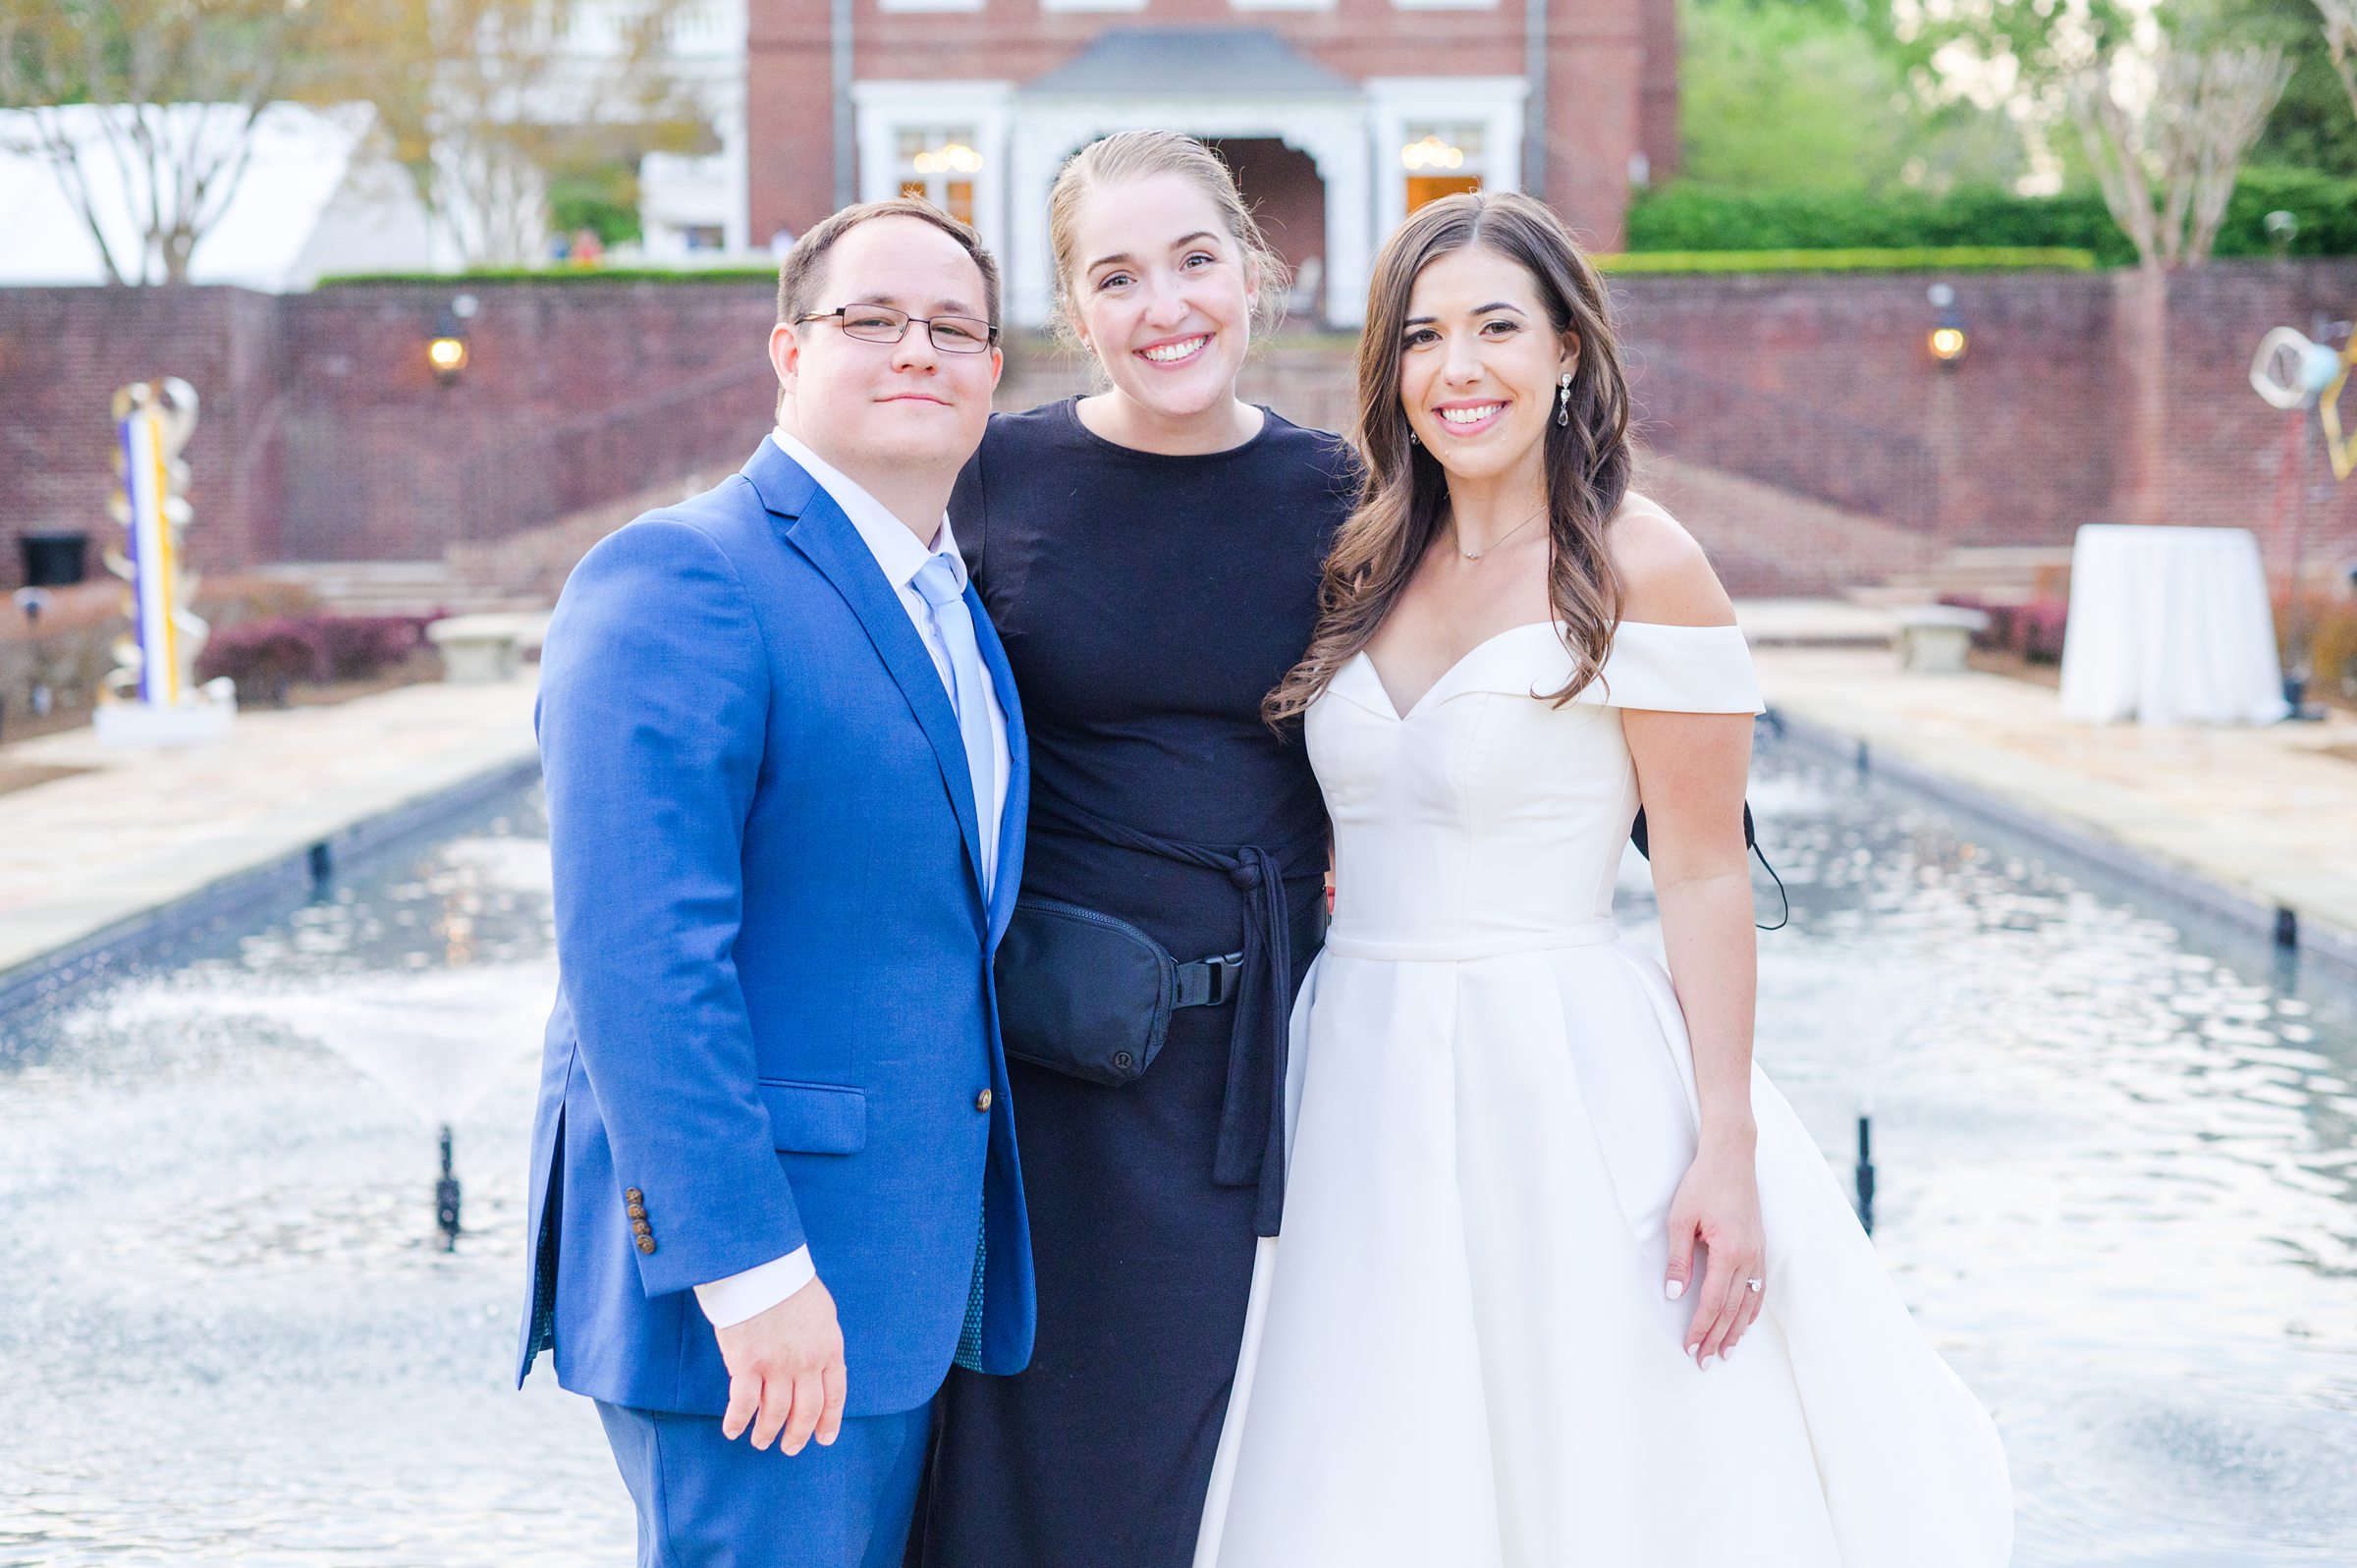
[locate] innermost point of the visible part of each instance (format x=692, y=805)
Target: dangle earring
x=1563, y=400
x=1411, y=437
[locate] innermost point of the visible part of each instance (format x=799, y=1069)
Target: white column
x=737, y=226
x=1041, y=144
x=1350, y=233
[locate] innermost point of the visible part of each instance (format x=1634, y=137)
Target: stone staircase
x=2001, y=574
x=524, y=572
x=1770, y=543
x=385, y=588
x=1766, y=542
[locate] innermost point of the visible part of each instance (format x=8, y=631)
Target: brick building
x=1339, y=116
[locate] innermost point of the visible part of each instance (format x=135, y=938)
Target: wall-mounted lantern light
x=446, y=350
x=1947, y=339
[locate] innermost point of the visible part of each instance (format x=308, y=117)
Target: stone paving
x=2268, y=816
x=116, y=833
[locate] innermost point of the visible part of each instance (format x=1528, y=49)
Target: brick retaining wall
x=324, y=435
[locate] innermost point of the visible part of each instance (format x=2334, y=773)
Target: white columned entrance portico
x=1333, y=132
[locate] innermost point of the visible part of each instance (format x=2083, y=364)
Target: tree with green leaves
x=484, y=102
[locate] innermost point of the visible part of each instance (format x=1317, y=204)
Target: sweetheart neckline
x=1390, y=705
x=1441, y=679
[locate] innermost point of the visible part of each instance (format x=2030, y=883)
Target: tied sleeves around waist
x=1251, y=1142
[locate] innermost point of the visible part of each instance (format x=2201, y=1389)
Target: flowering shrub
x=363, y=646
x=2032, y=630
x=265, y=657
x=2331, y=624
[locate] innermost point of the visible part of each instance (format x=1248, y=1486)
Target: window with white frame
x=1438, y=158
x=939, y=164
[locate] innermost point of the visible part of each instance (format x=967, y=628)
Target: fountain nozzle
x=446, y=1198
x=1866, y=1173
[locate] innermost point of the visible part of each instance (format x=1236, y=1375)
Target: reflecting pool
x=2116, y=1152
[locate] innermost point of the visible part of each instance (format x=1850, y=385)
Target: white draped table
x=2170, y=626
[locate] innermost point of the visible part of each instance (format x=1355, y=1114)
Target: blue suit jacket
x=774, y=1021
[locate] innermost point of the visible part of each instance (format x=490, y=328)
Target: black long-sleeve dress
x=1148, y=603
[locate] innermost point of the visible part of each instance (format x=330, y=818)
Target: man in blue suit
x=774, y=1190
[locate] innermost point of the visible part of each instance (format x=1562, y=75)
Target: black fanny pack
x=1091, y=995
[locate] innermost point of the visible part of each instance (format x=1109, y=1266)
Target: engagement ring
x=1753, y=1286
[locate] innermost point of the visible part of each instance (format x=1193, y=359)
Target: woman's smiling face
x=1160, y=293
x=1479, y=363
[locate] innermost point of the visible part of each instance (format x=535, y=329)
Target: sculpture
x=151, y=696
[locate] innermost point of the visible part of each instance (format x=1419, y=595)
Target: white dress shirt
x=731, y=1301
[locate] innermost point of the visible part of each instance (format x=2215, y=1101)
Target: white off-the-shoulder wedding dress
x=1460, y=1354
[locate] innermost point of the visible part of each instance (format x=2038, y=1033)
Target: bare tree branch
x=2340, y=38
x=172, y=90
x=2177, y=140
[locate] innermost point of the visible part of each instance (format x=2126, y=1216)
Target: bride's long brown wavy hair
x=1403, y=494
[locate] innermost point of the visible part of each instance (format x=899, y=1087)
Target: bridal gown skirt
x=1460, y=1353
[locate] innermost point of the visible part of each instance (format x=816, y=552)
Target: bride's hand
x=1717, y=1204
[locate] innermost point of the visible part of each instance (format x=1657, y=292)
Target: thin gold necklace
x=1476, y=554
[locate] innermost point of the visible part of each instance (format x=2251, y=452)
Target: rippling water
x=2118, y=1159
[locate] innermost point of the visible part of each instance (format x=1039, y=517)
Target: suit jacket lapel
x=1013, y=821
x=818, y=529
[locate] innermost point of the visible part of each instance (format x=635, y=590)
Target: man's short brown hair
x=804, y=269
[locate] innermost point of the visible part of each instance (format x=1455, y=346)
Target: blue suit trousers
x=706, y=1502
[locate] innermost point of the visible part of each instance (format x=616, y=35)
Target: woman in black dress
x=1150, y=556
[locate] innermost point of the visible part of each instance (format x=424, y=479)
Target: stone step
x=390, y=587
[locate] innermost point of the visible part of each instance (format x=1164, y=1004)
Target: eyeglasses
x=884, y=324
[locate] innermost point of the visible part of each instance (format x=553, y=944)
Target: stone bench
x=486, y=647
x=1933, y=639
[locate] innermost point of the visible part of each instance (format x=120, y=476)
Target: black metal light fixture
x=1947, y=339
x=446, y=352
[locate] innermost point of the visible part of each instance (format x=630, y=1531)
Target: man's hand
x=786, y=1368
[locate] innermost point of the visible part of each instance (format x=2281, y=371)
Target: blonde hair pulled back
x=1139, y=155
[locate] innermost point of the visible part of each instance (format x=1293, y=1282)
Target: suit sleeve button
x=637, y=1211
x=982, y=1101
x=647, y=1244
x=633, y=1195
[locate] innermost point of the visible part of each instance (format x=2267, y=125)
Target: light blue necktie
x=937, y=581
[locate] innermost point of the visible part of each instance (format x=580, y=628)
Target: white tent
x=314, y=200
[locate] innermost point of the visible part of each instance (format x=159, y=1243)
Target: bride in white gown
x=1539, y=1203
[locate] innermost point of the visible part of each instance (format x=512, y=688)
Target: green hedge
x=556, y=275
x=1694, y=218
x=1927, y=258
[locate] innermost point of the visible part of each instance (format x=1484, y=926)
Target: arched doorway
x=1285, y=193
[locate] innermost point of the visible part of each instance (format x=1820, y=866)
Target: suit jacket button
x=982, y=1101
x=647, y=1244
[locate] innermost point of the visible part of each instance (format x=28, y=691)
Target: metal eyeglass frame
x=837, y=315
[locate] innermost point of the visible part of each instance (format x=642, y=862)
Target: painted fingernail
x=1725, y=1351
x=1674, y=1289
